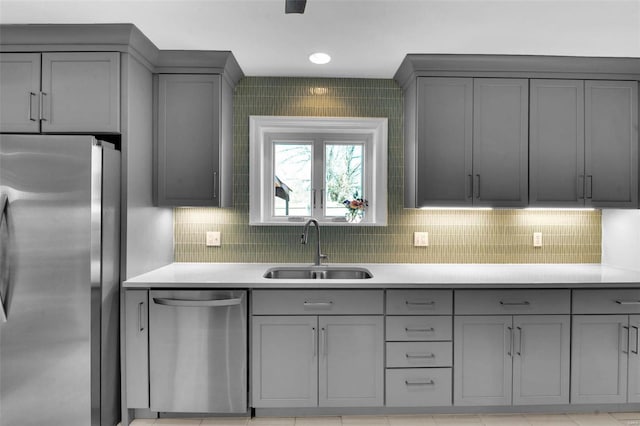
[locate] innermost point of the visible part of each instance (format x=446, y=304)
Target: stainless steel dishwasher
x=198, y=351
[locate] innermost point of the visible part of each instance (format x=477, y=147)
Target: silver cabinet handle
x=420, y=355
x=626, y=350
x=523, y=303
x=589, y=186
x=419, y=382
x=317, y=304
x=628, y=302
x=213, y=303
x=427, y=303
x=41, y=107
x=30, y=116
x=140, y=317
x=314, y=197
x=4, y=205
x=519, y=352
x=510, y=346
x=636, y=345
x=314, y=341
x=419, y=330
x=215, y=184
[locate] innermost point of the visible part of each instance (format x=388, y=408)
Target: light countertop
x=397, y=275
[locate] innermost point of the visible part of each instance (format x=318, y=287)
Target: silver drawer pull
x=197, y=303
x=419, y=330
x=312, y=304
x=428, y=303
x=628, y=302
x=420, y=355
x=419, y=382
x=523, y=303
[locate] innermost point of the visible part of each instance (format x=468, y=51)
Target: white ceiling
x=366, y=38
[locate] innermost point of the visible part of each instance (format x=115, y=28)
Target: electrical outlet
x=537, y=239
x=213, y=239
x=420, y=239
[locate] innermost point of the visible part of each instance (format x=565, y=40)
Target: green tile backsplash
x=455, y=236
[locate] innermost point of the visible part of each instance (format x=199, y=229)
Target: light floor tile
x=593, y=419
x=629, y=422
x=411, y=420
x=225, y=421
x=457, y=419
x=178, y=422
x=273, y=421
x=504, y=420
x=364, y=420
x=141, y=422
x=550, y=420
x=319, y=421
x=634, y=415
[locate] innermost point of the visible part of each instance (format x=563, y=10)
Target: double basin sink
x=318, y=273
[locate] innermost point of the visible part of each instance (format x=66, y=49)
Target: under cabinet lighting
x=320, y=58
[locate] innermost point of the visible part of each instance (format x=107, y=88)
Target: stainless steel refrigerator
x=59, y=280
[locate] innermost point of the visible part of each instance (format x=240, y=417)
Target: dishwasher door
x=198, y=351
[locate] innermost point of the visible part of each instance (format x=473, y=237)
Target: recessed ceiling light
x=319, y=58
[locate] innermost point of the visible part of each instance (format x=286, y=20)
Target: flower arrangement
x=355, y=208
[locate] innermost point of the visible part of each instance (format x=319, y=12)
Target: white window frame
x=264, y=130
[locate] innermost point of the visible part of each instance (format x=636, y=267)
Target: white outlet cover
x=420, y=239
x=213, y=239
x=537, y=239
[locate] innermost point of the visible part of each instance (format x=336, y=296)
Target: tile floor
x=580, y=419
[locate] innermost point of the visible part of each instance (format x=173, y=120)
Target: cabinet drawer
x=419, y=354
x=617, y=301
x=496, y=302
x=418, y=387
x=415, y=302
x=415, y=327
x=314, y=302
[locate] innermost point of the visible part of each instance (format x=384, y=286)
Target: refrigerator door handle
x=4, y=205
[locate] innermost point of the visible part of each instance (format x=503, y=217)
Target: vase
x=354, y=216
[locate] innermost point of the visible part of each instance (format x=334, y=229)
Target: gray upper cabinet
x=583, y=143
x=556, y=143
x=443, y=158
x=611, y=143
x=20, y=89
x=56, y=92
x=500, y=142
x=194, y=142
x=468, y=143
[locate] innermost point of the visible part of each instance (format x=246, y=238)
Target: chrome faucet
x=304, y=238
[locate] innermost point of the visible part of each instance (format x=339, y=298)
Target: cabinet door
x=541, y=359
x=444, y=153
x=284, y=361
x=19, y=91
x=137, y=348
x=611, y=143
x=81, y=92
x=634, y=358
x=556, y=143
x=599, y=359
x=351, y=367
x=500, y=142
x=188, y=140
x=482, y=360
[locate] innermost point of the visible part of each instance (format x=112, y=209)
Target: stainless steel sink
x=318, y=273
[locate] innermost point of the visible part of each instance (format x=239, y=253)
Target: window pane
x=292, y=179
x=343, y=176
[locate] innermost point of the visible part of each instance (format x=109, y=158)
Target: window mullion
x=318, y=177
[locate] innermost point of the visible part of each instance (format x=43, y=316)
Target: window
x=302, y=167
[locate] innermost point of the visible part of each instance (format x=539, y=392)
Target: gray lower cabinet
x=504, y=360
x=194, y=155
x=136, y=308
x=583, y=143
x=310, y=361
x=466, y=142
x=57, y=92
